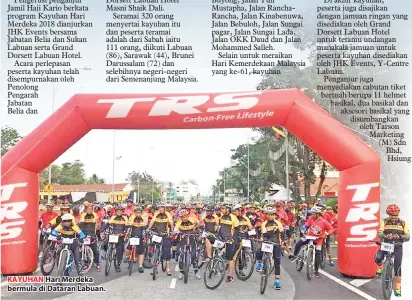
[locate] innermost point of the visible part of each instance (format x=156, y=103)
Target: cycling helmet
x=316, y=210
x=210, y=207
x=154, y=207
x=64, y=206
x=238, y=206
x=393, y=210
x=138, y=208
x=278, y=204
x=48, y=204
x=67, y=217
x=109, y=206
x=183, y=213
x=161, y=204
x=287, y=210
x=149, y=206
x=168, y=205
x=269, y=210
x=129, y=200
x=328, y=207
x=119, y=207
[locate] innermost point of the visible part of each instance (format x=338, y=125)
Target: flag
x=278, y=133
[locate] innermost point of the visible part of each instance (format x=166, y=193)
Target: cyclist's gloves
x=304, y=228
x=54, y=232
x=81, y=235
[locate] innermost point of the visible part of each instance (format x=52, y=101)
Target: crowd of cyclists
x=198, y=228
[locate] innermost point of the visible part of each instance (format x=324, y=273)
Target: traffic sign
x=48, y=188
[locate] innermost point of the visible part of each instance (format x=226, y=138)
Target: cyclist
x=282, y=216
x=129, y=209
x=88, y=224
x=241, y=231
x=76, y=213
x=393, y=229
x=138, y=223
x=46, y=217
x=64, y=209
x=291, y=223
x=68, y=229
x=329, y=216
x=211, y=224
x=187, y=224
x=271, y=231
x=228, y=223
x=162, y=222
x=317, y=226
x=218, y=211
x=120, y=225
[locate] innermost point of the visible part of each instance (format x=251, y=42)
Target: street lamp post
x=114, y=161
x=248, y=168
x=53, y=100
x=287, y=164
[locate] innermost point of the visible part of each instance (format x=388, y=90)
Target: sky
x=172, y=155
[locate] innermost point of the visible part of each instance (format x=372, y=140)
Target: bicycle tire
x=62, y=265
x=246, y=256
x=90, y=257
x=300, y=261
x=309, y=263
x=102, y=252
x=155, y=261
x=109, y=259
x=200, y=256
x=264, y=275
x=46, y=252
x=387, y=279
x=210, y=266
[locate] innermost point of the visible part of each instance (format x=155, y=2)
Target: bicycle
x=388, y=267
x=267, y=249
x=185, y=255
x=157, y=239
x=216, y=265
x=201, y=251
x=307, y=255
x=87, y=256
x=111, y=254
x=66, y=259
x=49, y=256
x=243, y=258
x=134, y=242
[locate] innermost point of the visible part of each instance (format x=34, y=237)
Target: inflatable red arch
x=359, y=165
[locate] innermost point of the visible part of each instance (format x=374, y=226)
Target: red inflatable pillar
x=19, y=221
x=358, y=219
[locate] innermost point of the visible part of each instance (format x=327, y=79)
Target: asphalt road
x=332, y=285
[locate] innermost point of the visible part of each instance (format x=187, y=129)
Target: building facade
x=186, y=192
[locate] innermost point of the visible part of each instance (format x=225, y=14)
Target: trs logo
x=363, y=211
x=11, y=212
x=183, y=105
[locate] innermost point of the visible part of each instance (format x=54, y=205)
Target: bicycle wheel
x=264, y=275
x=155, y=261
x=322, y=262
x=64, y=256
x=48, y=260
x=387, y=279
x=300, y=261
x=102, y=251
x=215, y=266
x=309, y=263
x=186, y=266
x=244, y=260
x=200, y=256
x=131, y=260
x=87, y=259
x=109, y=259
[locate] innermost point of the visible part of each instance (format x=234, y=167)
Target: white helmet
x=316, y=210
x=269, y=210
x=238, y=206
x=67, y=217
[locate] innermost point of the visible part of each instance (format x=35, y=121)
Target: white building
x=187, y=191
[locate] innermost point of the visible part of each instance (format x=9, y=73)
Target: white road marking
x=173, y=283
x=359, y=282
x=348, y=286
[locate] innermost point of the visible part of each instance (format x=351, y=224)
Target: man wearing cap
x=45, y=219
x=211, y=224
x=88, y=224
x=138, y=223
x=64, y=209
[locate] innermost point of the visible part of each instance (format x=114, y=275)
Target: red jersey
x=283, y=216
x=46, y=217
x=318, y=228
x=129, y=210
x=291, y=219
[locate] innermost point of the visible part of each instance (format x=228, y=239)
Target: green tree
x=94, y=179
x=55, y=179
x=147, y=186
x=9, y=138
